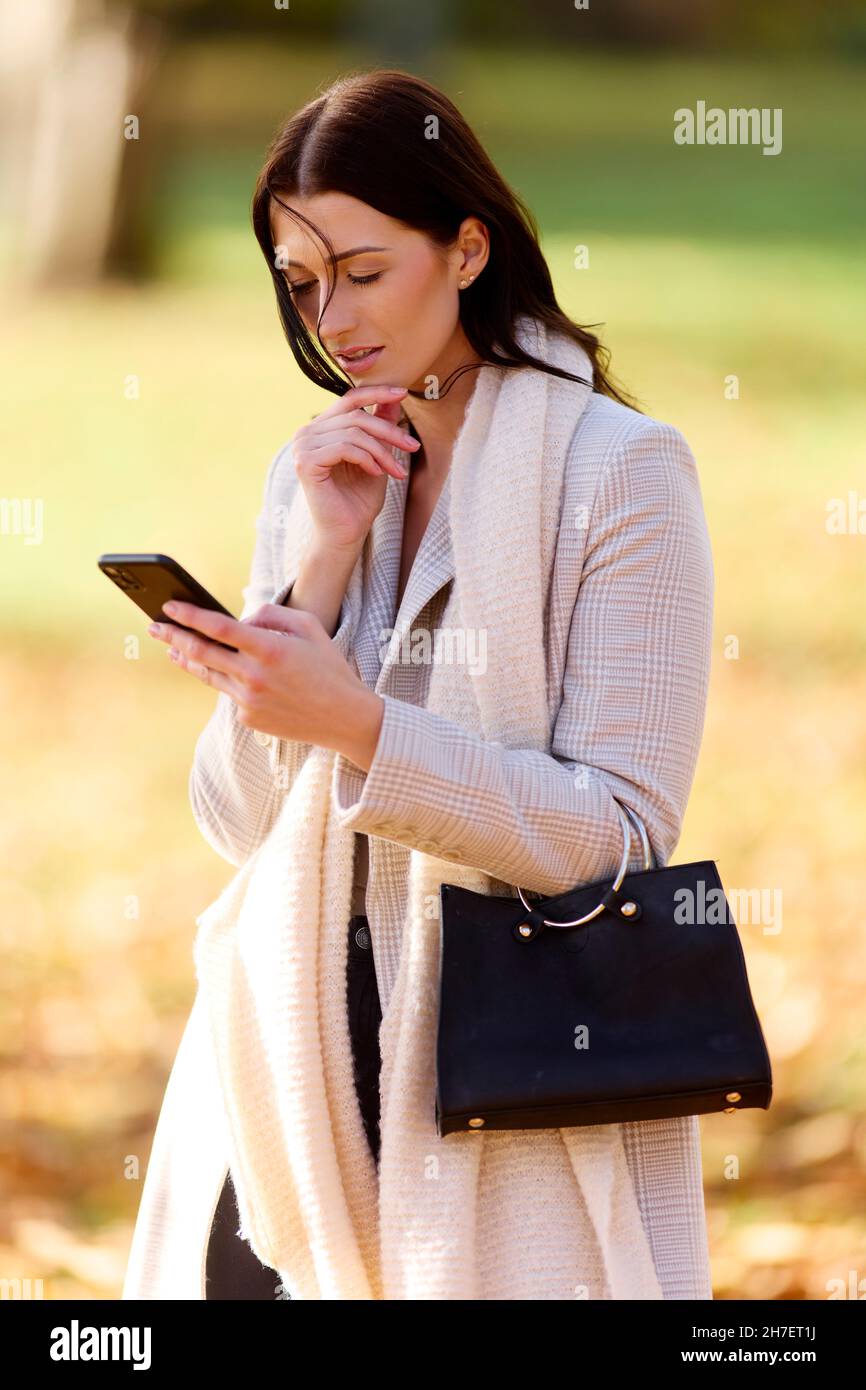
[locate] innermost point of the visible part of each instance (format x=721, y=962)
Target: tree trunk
x=82, y=186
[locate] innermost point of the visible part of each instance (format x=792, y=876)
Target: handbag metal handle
x=648, y=863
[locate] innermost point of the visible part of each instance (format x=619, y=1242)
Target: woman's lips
x=355, y=365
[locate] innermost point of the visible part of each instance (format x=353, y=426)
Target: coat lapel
x=432, y=567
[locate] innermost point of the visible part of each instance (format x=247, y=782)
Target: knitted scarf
x=270, y=952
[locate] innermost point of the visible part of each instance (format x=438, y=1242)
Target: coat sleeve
x=240, y=776
x=631, y=717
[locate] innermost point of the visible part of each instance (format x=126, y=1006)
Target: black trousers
x=232, y=1270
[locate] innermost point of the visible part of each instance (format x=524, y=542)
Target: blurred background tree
x=84, y=77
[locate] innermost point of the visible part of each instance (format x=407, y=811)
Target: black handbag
x=580, y=1010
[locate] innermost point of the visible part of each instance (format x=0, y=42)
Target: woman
x=496, y=581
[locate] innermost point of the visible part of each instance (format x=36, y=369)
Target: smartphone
x=151, y=580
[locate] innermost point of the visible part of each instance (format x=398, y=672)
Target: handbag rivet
x=733, y=1095
x=525, y=930
x=732, y=1110
x=628, y=909
x=476, y=1123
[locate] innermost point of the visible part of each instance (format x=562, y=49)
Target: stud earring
x=463, y=283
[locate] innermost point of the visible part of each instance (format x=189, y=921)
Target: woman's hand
x=287, y=678
x=343, y=458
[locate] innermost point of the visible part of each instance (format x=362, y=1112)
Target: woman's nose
x=336, y=322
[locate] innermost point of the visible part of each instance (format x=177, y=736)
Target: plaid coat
x=629, y=621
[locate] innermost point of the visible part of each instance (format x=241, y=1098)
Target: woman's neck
x=437, y=422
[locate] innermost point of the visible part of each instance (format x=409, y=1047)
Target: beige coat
x=629, y=628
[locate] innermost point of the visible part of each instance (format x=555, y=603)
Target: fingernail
x=153, y=629
x=169, y=607
x=397, y=390
x=173, y=653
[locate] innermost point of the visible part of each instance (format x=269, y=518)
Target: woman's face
x=398, y=296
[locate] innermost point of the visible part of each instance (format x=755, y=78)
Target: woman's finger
x=361, y=395
x=207, y=675
x=330, y=457
x=220, y=627
x=379, y=427
x=338, y=443
x=195, y=648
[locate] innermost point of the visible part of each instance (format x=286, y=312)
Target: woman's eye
x=364, y=279
x=297, y=291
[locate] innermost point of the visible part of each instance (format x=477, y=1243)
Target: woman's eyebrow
x=343, y=255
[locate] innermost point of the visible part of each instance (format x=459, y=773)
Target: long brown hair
x=398, y=144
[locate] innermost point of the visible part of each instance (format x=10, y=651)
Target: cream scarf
x=270, y=952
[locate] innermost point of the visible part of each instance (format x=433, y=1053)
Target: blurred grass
x=702, y=264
